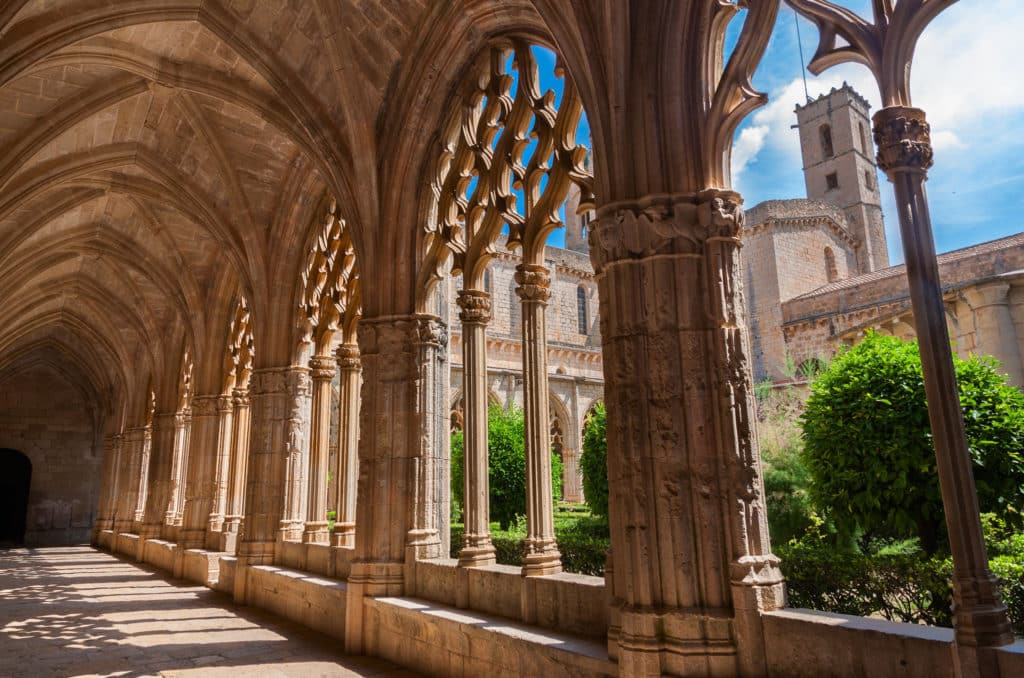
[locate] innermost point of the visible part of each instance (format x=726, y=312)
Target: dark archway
x=15, y=480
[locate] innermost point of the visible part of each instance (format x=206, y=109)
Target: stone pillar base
x=316, y=533
x=478, y=554
x=542, y=559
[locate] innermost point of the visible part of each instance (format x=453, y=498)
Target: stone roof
x=946, y=261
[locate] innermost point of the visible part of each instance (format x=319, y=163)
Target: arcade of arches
x=214, y=213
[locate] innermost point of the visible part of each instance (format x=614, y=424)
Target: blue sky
x=965, y=75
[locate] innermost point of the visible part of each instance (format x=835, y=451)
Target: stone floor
x=76, y=611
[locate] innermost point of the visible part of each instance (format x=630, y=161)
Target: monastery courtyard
x=76, y=611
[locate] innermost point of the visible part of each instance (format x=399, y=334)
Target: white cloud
x=747, y=145
x=965, y=69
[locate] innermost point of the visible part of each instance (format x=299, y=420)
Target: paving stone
x=133, y=622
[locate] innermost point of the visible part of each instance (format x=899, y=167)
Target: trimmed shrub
x=868, y=447
x=594, y=461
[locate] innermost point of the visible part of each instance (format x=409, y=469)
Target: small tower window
x=487, y=281
x=831, y=271
x=826, y=141
x=581, y=309
x=584, y=225
x=869, y=181
x=865, y=140
x=831, y=181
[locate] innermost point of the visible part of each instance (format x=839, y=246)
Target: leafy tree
x=868, y=445
x=506, y=452
x=594, y=461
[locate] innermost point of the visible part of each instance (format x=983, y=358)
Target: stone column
x=185, y=441
x=238, y=464
x=346, y=469
x=225, y=408
x=276, y=397
x=994, y=330
x=131, y=479
x=201, y=485
x=161, y=461
x=177, y=483
x=390, y=429
x=321, y=370
x=143, y=479
x=430, y=486
x=542, y=556
x=690, y=559
x=905, y=154
x=108, y=494
x=293, y=521
x=477, y=548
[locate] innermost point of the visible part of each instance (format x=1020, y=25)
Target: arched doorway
x=15, y=479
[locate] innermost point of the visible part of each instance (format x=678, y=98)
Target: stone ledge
x=810, y=643
x=306, y=599
x=443, y=640
x=160, y=553
x=575, y=603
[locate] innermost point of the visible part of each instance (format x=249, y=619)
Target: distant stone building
x=817, y=269
x=575, y=369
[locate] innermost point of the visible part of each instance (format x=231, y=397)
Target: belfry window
x=827, y=149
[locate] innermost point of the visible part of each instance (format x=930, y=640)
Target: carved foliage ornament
x=670, y=224
x=903, y=138
x=508, y=156
x=534, y=283
x=475, y=305
x=240, y=346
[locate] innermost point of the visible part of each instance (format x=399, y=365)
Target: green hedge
x=903, y=587
x=582, y=540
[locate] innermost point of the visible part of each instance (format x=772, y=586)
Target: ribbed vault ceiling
x=156, y=159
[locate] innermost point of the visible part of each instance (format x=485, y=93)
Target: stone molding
x=533, y=283
x=475, y=306
x=903, y=137
x=663, y=225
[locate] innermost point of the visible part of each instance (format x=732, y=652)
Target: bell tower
x=839, y=168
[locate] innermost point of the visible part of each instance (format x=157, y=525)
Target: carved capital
x=269, y=381
x=903, y=138
x=667, y=224
x=347, y=357
x=224, y=404
x=430, y=330
x=534, y=283
x=475, y=305
x=321, y=367
x=240, y=397
x=205, y=406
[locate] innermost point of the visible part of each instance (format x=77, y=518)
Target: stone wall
x=46, y=418
x=816, y=323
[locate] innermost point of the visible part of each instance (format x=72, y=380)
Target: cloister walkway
x=78, y=611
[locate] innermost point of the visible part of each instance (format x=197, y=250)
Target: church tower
x=839, y=168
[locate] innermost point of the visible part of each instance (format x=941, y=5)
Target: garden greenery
x=868, y=447
x=594, y=461
x=506, y=452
